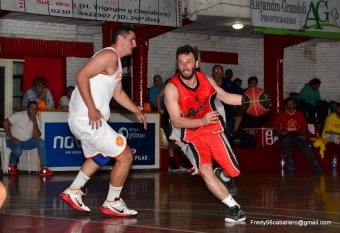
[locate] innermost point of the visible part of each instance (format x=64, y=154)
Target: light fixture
x=237, y=26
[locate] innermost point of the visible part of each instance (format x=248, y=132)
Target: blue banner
x=64, y=150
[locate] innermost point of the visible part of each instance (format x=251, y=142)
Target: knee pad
x=100, y=160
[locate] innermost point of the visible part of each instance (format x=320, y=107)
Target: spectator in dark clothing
x=228, y=86
x=228, y=74
x=238, y=82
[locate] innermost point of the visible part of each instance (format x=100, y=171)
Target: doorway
x=11, y=77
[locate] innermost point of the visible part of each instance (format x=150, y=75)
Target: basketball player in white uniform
x=97, y=82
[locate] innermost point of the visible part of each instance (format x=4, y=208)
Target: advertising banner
x=64, y=150
x=150, y=12
x=311, y=18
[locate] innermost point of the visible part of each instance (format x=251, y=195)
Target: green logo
x=320, y=18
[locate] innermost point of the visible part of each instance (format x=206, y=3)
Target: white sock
x=114, y=192
x=80, y=181
x=229, y=201
x=224, y=178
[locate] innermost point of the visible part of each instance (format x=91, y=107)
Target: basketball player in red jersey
x=189, y=98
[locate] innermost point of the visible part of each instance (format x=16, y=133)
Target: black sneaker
x=237, y=214
x=231, y=186
x=291, y=165
x=317, y=166
x=172, y=167
x=184, y=167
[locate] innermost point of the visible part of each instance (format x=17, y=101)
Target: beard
x=189, y=76
x=290, y=110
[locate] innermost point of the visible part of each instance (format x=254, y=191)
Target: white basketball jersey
x=102, y=87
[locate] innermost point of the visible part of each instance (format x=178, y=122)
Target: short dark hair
x=237, y=80
x=214, y=67
x=121, y=30
x=157, y=75
x=290, y=99
x=32, y=102
x=314, y=81
x=39, y=80
x=186, y=49
x=229, y=70
x=253, y=78
x=69, y=88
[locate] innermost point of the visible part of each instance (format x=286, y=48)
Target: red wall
x=19, y=48
x=23, y=47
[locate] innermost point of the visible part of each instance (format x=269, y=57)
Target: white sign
x=151, y=12
x=314, y=18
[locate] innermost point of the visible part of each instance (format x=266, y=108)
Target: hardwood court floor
x=175, y=202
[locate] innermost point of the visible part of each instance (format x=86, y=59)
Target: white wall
x=328, y=69
x=306, y=61
x=301, y=62
x=48, y=31
x=54, y=31
x=162, y=55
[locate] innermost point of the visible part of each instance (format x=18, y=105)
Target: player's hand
x=210, y=118
x=142, y=119
x=33, y=117
x=161, y=111
x=14, y=139
x=283, y=133
x=95, y=118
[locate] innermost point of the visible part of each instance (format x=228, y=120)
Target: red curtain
x=52, y=69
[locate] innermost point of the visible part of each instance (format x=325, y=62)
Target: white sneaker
x=73, y=198
x=117, y=208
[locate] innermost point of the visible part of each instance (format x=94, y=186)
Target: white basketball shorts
x=103, y=140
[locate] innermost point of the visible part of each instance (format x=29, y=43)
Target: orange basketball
x=256, y=101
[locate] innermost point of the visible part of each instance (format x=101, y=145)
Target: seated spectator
x=23, y=132
x=65, y=100
x=153, y=92
x=228, y=74
x=238, y=82
x=40, y=94
x=229, y=86
x=331, y=130
x=311, y=95
x=291, y=126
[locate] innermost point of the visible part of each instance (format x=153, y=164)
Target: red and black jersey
x=195, y=103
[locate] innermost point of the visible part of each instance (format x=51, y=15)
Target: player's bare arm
x=228, y=98
x=171, y=101
x=123, y=99
x=105, y=61
x=7, y=125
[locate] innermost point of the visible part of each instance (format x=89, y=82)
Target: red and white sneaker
x=117, y=208
x=73, y=198
x=12, y=170
x=45, y=172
